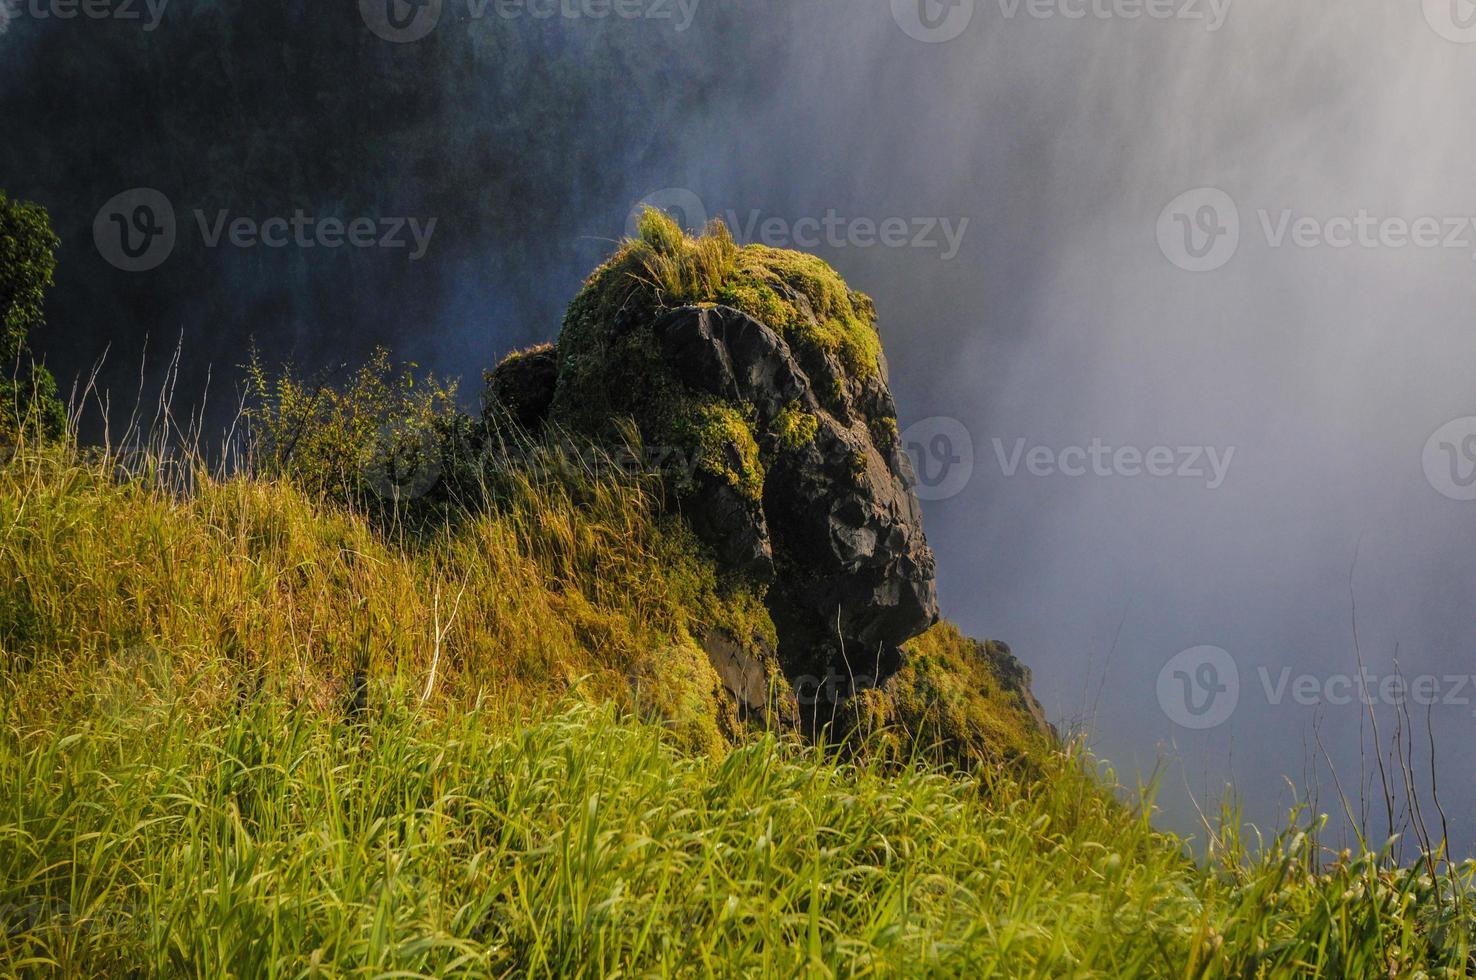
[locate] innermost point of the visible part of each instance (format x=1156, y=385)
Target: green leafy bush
x=28, y=397
x=377, y=440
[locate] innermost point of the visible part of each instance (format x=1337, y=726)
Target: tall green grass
x=259, y=838
x=192, y=783
x=569, y=574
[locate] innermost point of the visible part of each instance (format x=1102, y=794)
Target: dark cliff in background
x=514, y=135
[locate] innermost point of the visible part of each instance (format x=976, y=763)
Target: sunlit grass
x=187, y=787
x=264, y=839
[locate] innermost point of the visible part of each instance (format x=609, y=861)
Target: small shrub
x=28, y=398
x=377, y=441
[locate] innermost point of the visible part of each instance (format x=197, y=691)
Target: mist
x=1010, y=188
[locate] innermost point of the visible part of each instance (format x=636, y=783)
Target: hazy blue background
x=1060, y=319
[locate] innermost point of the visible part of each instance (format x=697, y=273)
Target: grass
x=535, y=778
x=569, y=575
x=263, y=838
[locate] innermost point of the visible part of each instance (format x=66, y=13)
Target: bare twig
x=440, y=635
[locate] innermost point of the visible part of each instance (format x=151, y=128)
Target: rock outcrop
x=755, y=382
x=837, y=527
x=522, y=386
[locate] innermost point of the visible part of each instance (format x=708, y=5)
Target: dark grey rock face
x=839, y=530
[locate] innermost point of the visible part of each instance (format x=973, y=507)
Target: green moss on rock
x=725, y=446
x=610, y=366
x=803, y=299
x=795, y=427
x=951, y=699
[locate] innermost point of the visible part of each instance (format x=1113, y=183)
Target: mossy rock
x=521, y=387
x=609, y=365
x=956, y=700
x=755, y=382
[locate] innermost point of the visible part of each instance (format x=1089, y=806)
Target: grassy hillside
x=537, y=776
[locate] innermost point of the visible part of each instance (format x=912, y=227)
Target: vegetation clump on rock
x=610, y=363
